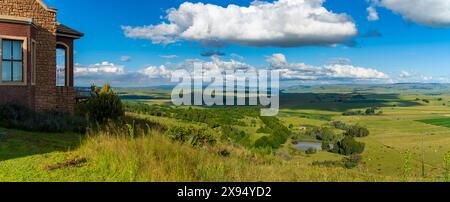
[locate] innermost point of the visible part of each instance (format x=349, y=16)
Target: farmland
x=404, y=121
x=415, y=119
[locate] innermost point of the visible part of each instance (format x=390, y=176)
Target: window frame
x=33, y=49
x=12, y=60
x=67, y=67
x=24, y=60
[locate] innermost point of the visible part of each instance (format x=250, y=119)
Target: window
x=61, y=66
x=12, y=61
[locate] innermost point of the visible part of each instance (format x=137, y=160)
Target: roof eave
x=74, y=36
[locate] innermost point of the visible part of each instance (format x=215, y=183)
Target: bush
x=311, y=151
x=265, y=142
x=370, y=111
x=353, y=113
x=278, y=136
x=328, y=163
x=327, y=146
x=191, y=135
x=104, y=105
x=324, y=134
x=352, y=161
x=339, y=125
x=234, y=135
x=349, y=146
x=265, y=130
x=357, y=131
x=23, y=118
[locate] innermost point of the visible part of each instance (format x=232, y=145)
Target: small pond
x=307, y=145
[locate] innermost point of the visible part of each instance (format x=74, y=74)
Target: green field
x=413, y=120
x=444, y=122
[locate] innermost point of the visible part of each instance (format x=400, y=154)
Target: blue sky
x=403, y=45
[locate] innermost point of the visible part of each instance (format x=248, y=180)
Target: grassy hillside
x=149, y=158
x=411, y=121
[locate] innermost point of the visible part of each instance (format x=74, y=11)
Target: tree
x=357, y=131
x=370, y=111
x=104, y=104
x=349, y=146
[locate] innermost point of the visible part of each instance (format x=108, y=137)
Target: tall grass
x=152, y=157
x=447, y=167
x=407, y=167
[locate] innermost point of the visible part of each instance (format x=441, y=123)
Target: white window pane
x=17, y=71
x=6, y=71
x=17, y=50
x=6, y=50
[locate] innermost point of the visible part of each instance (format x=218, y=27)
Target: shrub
x=193, y=136
x=349, y=146
x=327, y=146
x=353, y=113
x=370, y=111
x=357, y=131
x=264, y=142
x=23, y=118
x=104, y=105
x=324, y=134
x=278, y=136
x=352, y=161
x=339, y=125
x=234, y=135
x=311, y=151
x=265, y=130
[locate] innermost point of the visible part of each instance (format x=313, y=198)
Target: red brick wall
x=17, y=94
x=44, y=95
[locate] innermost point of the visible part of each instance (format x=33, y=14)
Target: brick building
x=30, y=39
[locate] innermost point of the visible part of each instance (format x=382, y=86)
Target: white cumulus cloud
x=99, y=68
x=154, y=72
x=278, y=62
x=373, y=14
x=433, y=13
x=282, y=23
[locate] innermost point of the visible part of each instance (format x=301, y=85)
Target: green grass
x=16, y=144
x=407, y=124
x=154, y=158
x=444, y=122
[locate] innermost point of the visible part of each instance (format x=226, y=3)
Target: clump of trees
x=345, y=144
x=324, y=134
x=357, y=131
x=194, y=136
x=234, y=135
x=278, y=134
x=368, y=112
x=339, y=125
x=215, y=117
x=348, y=146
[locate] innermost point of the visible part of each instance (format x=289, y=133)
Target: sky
x=140, y=43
